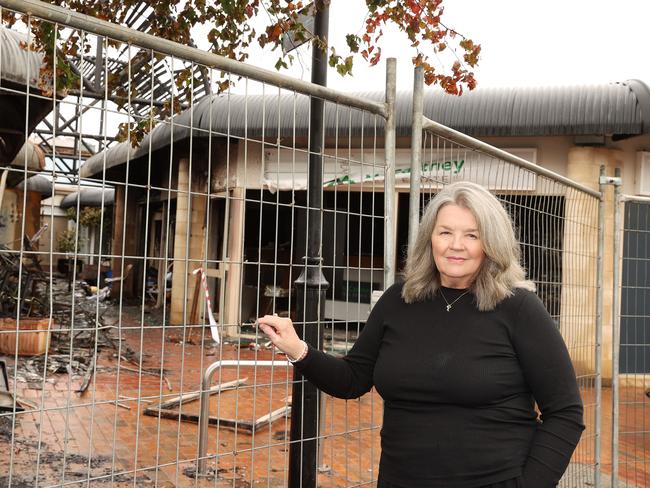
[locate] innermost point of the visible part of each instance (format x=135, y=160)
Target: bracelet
x=303, y=354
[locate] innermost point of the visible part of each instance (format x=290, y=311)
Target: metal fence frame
x=90, y=25
x=420, y=124
x=636, y=432
x=387, y=112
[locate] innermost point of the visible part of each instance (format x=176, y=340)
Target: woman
x=460, y=352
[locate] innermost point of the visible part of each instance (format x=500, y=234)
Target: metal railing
x=206, y=385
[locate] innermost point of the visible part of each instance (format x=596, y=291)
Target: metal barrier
x=222, y=186
x=630, y=402
x=206, y=384
x=557, y=223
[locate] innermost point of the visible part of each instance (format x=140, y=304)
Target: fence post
x=389, y=174
x=416, y=155
x=599, y=328
x=311, y=284
x=616, y=324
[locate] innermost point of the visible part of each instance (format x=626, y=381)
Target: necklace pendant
x=448, y=308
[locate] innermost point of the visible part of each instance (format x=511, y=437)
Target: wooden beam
x=194, y=306
x=224, y=423
x=118, y=232
x=161, y=298
x=167, y=409
x=216, y=272
x=190, y=397
x=234, y=276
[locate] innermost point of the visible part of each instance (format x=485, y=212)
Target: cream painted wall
x=250, y=169
x=629, y=149
x=561, y=155
x=553, y=152
x=245, y=168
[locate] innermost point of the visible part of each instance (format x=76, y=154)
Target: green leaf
x=348, y=64
x=353, y=42
x=334, y=58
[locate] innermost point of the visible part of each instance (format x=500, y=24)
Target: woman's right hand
x=283, y=335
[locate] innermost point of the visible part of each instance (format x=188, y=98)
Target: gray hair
x=501, y=271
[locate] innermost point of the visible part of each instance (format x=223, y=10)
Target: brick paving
x=634, y=438
x=88, y=440
x=102, y=438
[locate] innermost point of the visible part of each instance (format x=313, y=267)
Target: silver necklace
x=450, y=304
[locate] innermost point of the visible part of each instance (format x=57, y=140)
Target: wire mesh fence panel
x=633, y=437
x=173, y=210
x=153, y=205
x=557, y=228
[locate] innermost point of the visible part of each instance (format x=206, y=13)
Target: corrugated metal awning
x=19, y=64
x=30, y=156
x=89, y=197
x=609, y=109
x=19, y=69
x=39, y=184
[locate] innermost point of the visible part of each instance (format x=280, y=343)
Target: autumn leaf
x=231, y=33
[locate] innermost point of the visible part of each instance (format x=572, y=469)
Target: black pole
x=311, y=285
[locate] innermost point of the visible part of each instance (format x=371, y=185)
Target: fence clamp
x=610, y=180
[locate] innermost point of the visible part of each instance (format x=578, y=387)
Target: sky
x=524, y=43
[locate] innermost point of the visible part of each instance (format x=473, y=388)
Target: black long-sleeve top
x=459, y=390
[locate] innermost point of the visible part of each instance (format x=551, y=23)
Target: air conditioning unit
x=642, y=174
